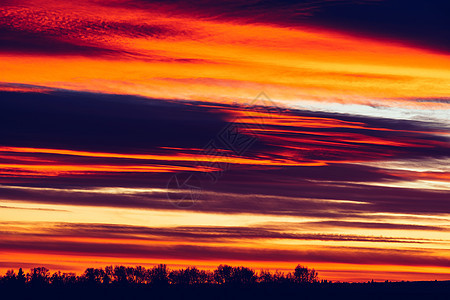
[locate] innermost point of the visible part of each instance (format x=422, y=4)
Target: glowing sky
x=341, y=161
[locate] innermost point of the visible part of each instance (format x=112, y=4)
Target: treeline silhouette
x=158, y=275
x=225, y=282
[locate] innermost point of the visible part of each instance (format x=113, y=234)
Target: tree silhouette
x=159, y=275
x=190, y=276
x=40, y=276
x=243, y=276
x=223, y=273
x=93, y=276
x=107, y=277
x=140, y=275
x=120, y=275
x=10, y=277
x=266, y=277
x=304, y=275
x=21, y=278
x=57, y=279
x=225, y=282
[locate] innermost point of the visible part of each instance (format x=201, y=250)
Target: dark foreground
x=384, y=291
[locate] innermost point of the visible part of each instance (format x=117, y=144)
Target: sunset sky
x=258, y=133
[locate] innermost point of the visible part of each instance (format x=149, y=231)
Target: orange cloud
x=211, y=60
